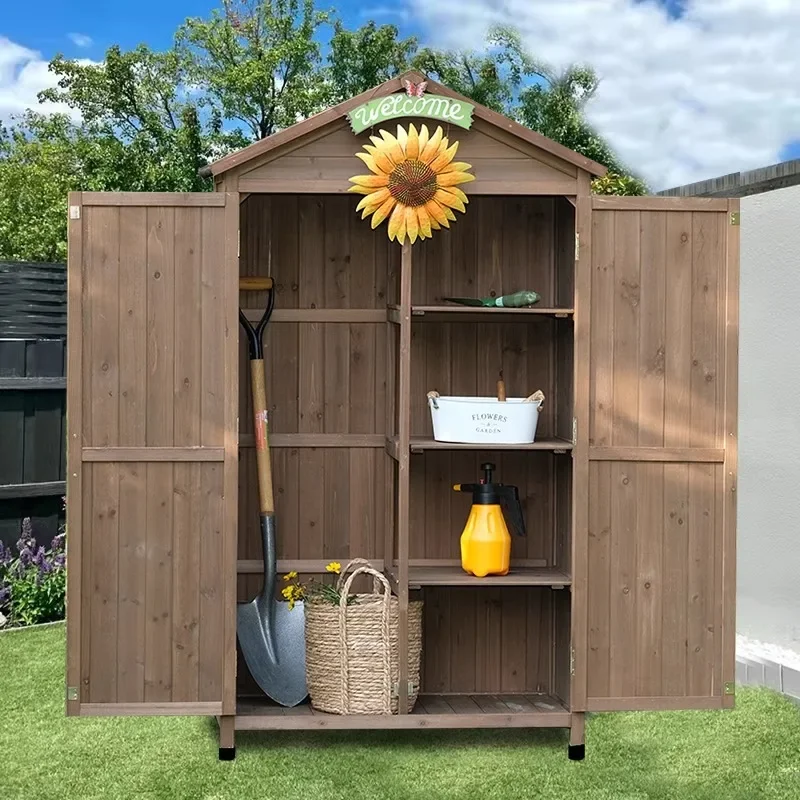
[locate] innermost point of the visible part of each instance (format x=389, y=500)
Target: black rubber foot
x=227, y=753
x=577, y=752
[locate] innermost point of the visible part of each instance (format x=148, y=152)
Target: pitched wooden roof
x=335, y=113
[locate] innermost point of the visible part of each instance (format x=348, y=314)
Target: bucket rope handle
x=432, y=398
x=386, y=655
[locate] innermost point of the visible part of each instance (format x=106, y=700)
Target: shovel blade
x=274, y=649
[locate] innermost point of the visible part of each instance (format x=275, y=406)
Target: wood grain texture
x=660, y=343
x=149, y=323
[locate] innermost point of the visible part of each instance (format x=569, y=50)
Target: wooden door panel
x=662, y=435
x=152, y=412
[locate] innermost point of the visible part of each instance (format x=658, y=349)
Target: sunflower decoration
x=414, y=182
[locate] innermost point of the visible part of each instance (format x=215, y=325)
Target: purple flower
x=5, y=554
x=59, y=561
x=5, y=594
x=58, y=542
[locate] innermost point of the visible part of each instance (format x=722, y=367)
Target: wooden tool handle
x=266, y=500
x=253, y=283
x=501, y=389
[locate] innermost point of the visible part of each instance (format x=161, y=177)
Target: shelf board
x=477, y=314
x=419, y=444
x=430, y=711
x=517, y=576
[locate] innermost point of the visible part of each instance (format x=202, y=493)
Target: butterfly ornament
x=415, y=89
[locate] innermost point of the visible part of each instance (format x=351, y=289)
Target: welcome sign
x=445, y=109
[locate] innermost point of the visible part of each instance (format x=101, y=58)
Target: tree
x=256, y=62
x=361, y=59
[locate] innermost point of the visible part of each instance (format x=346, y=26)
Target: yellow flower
x=290, y=576
x=414, y=182
x=291, y=603
x=287, y=591
x=334, y=566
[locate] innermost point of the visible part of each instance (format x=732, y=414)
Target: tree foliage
x=149, y=120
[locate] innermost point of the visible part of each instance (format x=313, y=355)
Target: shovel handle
x=254, y=283
x=266, y=500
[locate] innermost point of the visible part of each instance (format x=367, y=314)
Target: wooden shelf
x=476, y=314
x=430, y=711
x=419, y=444
x=455, y=576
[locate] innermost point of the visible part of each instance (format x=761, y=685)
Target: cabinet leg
x=227, y=742
x=577, y=732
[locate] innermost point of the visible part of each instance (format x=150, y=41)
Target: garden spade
x=271, y=636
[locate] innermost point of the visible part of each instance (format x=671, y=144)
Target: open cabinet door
x=152, y=453
x=660, y=575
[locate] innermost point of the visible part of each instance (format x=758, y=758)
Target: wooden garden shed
x=622, y=595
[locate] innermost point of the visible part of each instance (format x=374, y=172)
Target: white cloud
x=711, y=92
x=23, y=74
x=80, y=39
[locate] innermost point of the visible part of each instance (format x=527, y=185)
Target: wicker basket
x=352, y=649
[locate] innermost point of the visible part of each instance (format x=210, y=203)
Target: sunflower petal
x=370, y=162
x=360, y=190
x=370, y=181
x=424, y=222
x=453, y=178
x=424, y=138
x=449, y=200
x=412, y=147
x=458, y=193
x=449, y=213
x=372, y=201
x=402, y=137
x=432, y=148
x=393, y=148
x=398, y=215
x=437, y=214
x=456, y=166
x=383, y=212
x=444, y=158
x=401, y=228
x=412, y=224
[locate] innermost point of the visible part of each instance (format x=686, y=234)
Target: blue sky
x=674, y=100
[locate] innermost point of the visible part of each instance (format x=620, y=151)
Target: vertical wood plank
x=160, y=325
x=513, y=627
x=678, y=331
x=436, y=649
x=158, y=589
x=187, y=523
x=463, y=640
x=212, y=596
x=74, y=397
x=132, y=581
x=626, y=328
x=598, y=672
x=105, y=532
x=212, y=323
x=675, y=565
x=624, y=482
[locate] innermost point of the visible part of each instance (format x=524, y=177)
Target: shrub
x=33, y=582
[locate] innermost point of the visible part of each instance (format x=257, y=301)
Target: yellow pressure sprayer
x=486, y=541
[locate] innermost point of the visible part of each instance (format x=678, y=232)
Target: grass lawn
x=747, y=754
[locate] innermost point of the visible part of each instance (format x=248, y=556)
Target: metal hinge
x=577, y=247
x=730, y=687
x=572, y=661
x=72, y=692
x=74, y=212
x=736, y=217
x=396, y=689
x=574, y=431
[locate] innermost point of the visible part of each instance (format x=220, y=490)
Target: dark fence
x=33, y=327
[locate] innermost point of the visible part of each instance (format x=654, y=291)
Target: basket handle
x=356, y=562
x=535, y=397
x=386, y=653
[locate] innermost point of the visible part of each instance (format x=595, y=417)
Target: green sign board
x=446, y=109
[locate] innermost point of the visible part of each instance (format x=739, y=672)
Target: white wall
x=768, y=593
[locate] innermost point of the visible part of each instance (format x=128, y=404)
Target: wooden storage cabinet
x=621, y=596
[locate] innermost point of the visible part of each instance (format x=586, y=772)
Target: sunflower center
x=412, y=183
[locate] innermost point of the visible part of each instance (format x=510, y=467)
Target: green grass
x=746, y=754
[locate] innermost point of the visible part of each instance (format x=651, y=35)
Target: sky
x=690, y=89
